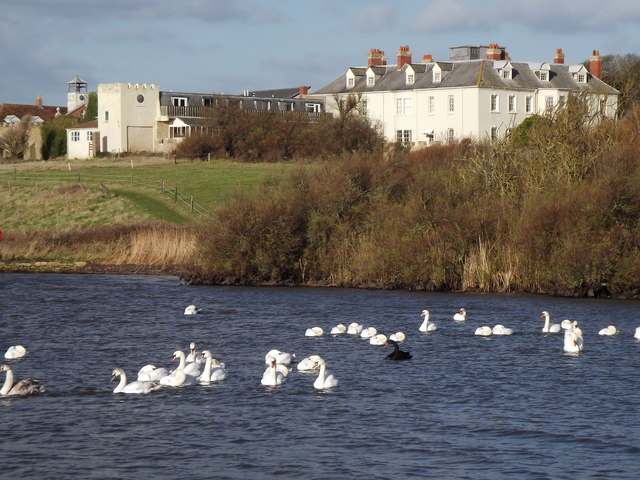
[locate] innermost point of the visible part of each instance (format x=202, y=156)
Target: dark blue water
x=464, y=407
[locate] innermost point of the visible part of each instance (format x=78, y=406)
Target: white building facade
x=481, y=94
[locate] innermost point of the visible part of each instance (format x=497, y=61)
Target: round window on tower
x=81, y=97
x=140, y=98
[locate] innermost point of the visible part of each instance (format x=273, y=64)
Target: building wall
x=127, y=114
x=84, y=148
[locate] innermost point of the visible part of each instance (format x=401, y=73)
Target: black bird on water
x=397, y=354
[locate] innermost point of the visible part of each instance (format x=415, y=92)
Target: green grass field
x=79, y=194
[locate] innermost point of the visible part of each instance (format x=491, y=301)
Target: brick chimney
x=427, y=58
x=404, y=56
x=595, y=64
x=494, y=52
x=559, y=56
x=38, y=101
x=376, y=58
x=303, y=90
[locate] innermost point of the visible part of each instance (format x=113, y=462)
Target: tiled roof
x=469, y=73
x=45, y=113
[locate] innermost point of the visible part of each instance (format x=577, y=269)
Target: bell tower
x=77, y=94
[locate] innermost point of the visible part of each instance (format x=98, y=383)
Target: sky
x=228, y=46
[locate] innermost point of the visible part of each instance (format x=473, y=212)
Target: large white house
x=479, y=93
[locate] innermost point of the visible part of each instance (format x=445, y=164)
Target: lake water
x=465, y=407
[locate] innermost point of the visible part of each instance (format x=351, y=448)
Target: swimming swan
x=554, y=328
x=354, y=329
x=610, y=330
x=483, y=331
x=309, y=363
x=314, y=332
x=272, y=376
x=378, y=339
x=461, y=316
x=397, y=337
x=637, y=334
x=133, y=387
x=151, y=373
x=15, y=351
x=397, y=354
x=214, y=370
x=193, y=369
x=25, y=387
x=565, y=324
x=427, y=326
x=368, y=332
x=502, y=330
x=177, y=378
x=573, y=341
x=339, y=329
x=192, y=310
x=325, y=379
x=281, y=358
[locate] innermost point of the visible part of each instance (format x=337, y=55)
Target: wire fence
x=103, y=181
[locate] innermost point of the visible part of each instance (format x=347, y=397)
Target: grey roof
x=470, y=73
x=275, y=93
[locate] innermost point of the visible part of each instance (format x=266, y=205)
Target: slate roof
x=44, y=112
x=468, y=73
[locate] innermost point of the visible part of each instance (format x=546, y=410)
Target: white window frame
x=404, y=136
x=411, y=78
x=548, y=103
x=371, y=80
x=451, y=134
x=495, y=103
x=75, y=135
x=431, y=104
x=404, y=106
x=437, y=76
x=179, y=101
x=451, y=103
x=351, y=82
x=528, y=104
x=582, y=78
x=512, y=104
x=493, y=132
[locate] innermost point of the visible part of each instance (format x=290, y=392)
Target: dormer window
x=506, y=74
x=544, y=76
x=371, y=80
x=351, y=82
x=582, y=78
x=437, y=76
x=410, y=78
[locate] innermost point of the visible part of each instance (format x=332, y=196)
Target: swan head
x=425, y=313
x=612, y=329
x=544, y=314
x=271, y=361
x=117, y=372
x=5, y=368
x=205, y=354
x=177, y=354
x=318, y=361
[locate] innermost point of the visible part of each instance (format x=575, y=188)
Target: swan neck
x=323, y=371
x=183, y=362
x=121, y=384
x=8, y=383
x=207, y=369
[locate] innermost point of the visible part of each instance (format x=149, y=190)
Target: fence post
x=191, y=203
x=175, y=195
x=162, y=185
x=15, y=173
x=208, y=157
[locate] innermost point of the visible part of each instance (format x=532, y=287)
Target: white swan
x=461, y=316
x=637, y=334
x=565, y=324
x=502, y=330
x=610, y=330
x=554, y=328
x=193, y=354
x=368, y=332
x=314, y=332
x=573, y=341
x=15, y=351
x=27, y=386
x=354, y=329
x=483, y=331
x=309, y=363
x=398, y=337
x=192, y=310
x=378, y=339
x=214, y=371
x=177, y=378
x=191, y=370
x=339, y=329
x=426, y=325
x=133, y=387
x=272, y=376
x=151, y=373
x=325, y=380
x=281, y=358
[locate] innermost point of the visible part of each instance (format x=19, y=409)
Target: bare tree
x=16, y=139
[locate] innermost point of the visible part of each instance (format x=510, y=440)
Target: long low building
x=479, y=93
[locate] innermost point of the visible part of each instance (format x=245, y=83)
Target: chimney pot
x=404, y=56
x=595, y=64
x=559, y=56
